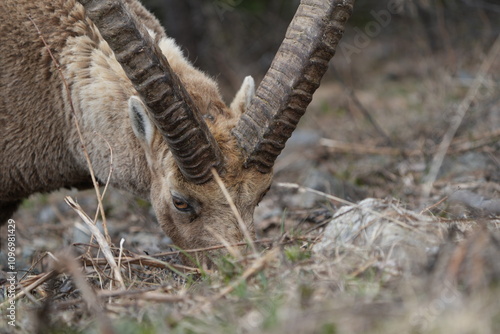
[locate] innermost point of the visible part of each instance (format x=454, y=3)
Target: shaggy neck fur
x=98, y=95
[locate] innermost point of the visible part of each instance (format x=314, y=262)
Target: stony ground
x=382, y=219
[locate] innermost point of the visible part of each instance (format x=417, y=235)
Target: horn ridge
x=171, y=107
x=295, y=73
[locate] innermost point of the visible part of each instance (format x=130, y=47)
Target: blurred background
x=391, y=93
x=230, y=39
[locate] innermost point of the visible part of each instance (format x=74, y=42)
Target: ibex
x=109, y=66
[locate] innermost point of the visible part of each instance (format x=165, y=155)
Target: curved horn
x=173, y=111
x=294, y=75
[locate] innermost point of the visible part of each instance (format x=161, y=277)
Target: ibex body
x=163, y=120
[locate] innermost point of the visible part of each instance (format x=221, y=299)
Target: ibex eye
x=180, y=204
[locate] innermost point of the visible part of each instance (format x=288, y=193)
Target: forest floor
x=383, y=218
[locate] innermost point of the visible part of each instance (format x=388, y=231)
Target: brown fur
x=40, y=150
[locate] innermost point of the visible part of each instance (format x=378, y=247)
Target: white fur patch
x=172, y=51
x=141, y=124
x=244, y=96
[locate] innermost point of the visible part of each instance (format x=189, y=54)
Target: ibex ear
x=244, y=96
x=141, y=124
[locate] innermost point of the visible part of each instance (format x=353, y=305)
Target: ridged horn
x=172, y=109
x=295, y=73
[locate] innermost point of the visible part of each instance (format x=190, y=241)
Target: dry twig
x=257, y=265
x=438, y=159
x=68, y=264
x=80, y=136
x=343, y=201
x=101, y=240
x=25, y=290
x=236, y=213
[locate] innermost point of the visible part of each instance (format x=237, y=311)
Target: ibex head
x=186, y=141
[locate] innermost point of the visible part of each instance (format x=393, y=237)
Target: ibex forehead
x=242, y=184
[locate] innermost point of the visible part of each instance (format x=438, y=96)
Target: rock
x=387, y=231
x=477, y=205
x=47, y=215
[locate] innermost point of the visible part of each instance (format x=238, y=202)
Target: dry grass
x=387, y=270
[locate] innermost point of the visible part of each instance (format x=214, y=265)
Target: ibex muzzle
x=129, y=86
